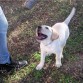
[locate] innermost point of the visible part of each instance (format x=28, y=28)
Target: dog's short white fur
x=55, y=41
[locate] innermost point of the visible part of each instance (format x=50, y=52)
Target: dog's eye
x=46, y=27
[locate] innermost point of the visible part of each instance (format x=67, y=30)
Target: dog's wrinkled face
x=43, y=32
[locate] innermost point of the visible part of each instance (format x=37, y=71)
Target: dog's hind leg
x=58, y=59
x=61, y=55
x=62, y=47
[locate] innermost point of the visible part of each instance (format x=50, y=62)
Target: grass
x=63, y=78
x=23, y=45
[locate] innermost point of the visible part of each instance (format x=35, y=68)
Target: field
x=22, y=43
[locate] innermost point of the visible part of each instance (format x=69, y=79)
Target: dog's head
x=45, y=32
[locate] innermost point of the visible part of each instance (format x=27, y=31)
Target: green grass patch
x=60, y=77
x=19, y=75
x=37, y=56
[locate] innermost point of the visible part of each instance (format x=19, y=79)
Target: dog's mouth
x=41, y=36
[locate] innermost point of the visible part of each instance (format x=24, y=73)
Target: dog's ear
x=54, y=35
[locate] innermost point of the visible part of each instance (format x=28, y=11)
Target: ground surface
x=22, y=43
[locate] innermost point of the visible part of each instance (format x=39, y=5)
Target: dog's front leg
x=42, y=61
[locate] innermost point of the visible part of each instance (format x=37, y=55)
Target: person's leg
x=5, y=61
x=4, y=54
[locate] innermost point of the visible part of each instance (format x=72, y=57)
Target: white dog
x=53, y=39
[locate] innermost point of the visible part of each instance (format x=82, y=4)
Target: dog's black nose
x=39, y=27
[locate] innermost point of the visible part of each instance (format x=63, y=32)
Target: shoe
x=14, y=65
x=29, y=4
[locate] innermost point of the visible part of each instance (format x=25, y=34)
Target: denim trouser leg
x=4, y=54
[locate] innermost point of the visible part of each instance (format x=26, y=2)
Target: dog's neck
x=45, y=43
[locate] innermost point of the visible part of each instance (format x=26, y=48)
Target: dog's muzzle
x=39, y=34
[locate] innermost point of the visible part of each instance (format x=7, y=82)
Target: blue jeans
x=4, y=54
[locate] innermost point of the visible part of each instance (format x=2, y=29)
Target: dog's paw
x=58, y=65
x=39, y=67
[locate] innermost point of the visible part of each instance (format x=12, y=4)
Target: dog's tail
x=67, y=20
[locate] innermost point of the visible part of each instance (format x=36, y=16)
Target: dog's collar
x=48, y=43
